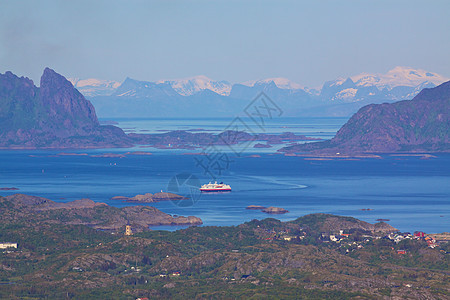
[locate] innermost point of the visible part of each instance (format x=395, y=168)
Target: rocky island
x=8, y=189
x=255, y=207
x=274, y=210
x=182, y=139
x=149, y=198
x=259, y=145
x=268, y=210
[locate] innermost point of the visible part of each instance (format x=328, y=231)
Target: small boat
x=215, y=187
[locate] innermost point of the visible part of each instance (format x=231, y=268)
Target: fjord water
x=413, y=193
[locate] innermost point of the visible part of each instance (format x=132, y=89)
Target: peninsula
x=100, y=216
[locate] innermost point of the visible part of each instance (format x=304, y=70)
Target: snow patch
x=346, y=95
x=94, y=87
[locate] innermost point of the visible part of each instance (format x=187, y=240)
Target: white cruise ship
x=215, y=187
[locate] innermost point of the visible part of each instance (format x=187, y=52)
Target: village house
x=419, y=234
x=333, y=238
x=397, y=237
x=8, y=245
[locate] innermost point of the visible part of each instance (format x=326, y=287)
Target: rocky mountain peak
x=55, y=115
x=64, y=103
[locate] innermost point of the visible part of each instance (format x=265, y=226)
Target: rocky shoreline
x=268, y=210
x=8, y=189
x=150, y=198
x=93, y=214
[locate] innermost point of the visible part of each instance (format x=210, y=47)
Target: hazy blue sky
x=306, y=41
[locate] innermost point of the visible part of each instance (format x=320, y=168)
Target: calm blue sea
x=413, y=193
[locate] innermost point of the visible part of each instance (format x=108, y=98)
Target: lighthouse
x=128, y=230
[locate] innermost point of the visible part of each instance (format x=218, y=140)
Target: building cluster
x=337, y=237
x=281, y=235
x=431, y=240
x=172, y=274
x=342, y=237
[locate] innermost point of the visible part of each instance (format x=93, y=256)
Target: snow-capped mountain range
x=397, y=84
x=399, y=76
x=94, y=87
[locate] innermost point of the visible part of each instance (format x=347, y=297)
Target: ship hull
x=215, y=190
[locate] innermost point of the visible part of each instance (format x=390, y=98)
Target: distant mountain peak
x=192, y=85
x=195, y=78
x=280, y=82
x=145, y=89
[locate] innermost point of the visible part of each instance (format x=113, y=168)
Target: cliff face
x=55, y=115
x=421, y=124
x=63, y=104
x=17, y=99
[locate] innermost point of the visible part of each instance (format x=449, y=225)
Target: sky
x=308, y=42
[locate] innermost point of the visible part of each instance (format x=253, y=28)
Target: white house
x=8, y=245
